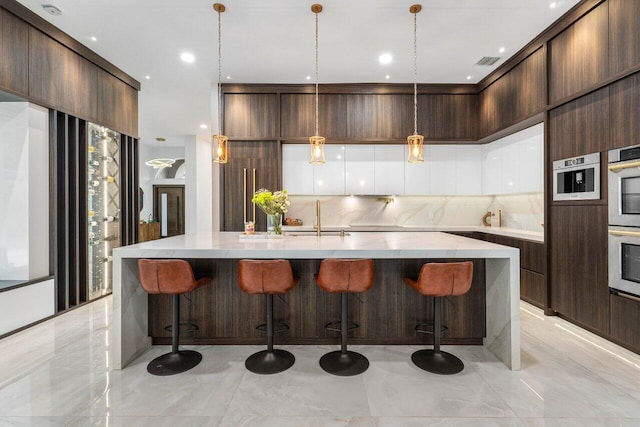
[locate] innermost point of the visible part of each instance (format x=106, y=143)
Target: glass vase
x=274, y=224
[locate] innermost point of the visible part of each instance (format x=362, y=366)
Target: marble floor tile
x=57, y=374
x=302, y=390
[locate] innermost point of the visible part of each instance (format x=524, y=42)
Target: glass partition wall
x=103, y=203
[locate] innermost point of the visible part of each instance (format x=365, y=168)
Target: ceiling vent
x=51, y=9
x=488, y=60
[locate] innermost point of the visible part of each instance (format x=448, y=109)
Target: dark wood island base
x=388, y=313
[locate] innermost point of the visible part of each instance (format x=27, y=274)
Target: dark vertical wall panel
x=624, y=36
x=14, y=62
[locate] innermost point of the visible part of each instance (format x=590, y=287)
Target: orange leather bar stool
x=441, y=280
x=172, y=277
x=267, y=277
x=344, y=276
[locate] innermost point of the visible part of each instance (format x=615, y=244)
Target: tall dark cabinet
x=252, y=165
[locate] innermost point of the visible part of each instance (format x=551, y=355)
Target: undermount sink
x=313, y=233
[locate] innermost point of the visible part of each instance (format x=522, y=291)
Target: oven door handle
x=624, y=233
x=616, y=168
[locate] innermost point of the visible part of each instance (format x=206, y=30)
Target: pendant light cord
x=415, y=75
x=317, y=121
x=219, y=73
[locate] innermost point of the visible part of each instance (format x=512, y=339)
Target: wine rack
x=103, y=192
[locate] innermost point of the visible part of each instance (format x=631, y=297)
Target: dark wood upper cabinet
x=379, y=117
x=625, y=107
x=117, y=104
x=579, y=55
x=14, y=62
x=578, y=283
x=624, y=37
x=60, y=78
x=298, y=116
x=580, y=127
x=444, y=117
x=517, y=95
x=251, y=115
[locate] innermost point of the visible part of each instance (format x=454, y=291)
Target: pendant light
x=415, y=141
x=219, y=141
x=317, y=141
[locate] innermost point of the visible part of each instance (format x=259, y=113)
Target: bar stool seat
x=267, y=277
x=345, y=276
x=171, y=277
x=440, y=280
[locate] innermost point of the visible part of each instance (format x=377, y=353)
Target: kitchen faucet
x=318, y=227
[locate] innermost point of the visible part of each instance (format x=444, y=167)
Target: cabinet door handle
x=244, y=196
x=631, y=297
x=254, y=192
x=616, y=168
x=624, y=233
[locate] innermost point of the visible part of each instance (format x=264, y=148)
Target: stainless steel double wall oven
x=624, y=221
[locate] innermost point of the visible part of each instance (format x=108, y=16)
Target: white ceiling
x=273, y=42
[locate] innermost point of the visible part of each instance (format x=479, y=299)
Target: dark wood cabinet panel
x=249, y=115
x=518, y=94
x=625, y=109
x=625, y=321
x=14, y=45
x=251, y=166
x=60, y=78
x=580, y=127
x=532, y=287
x=379, y=117
x=446, y=117
x=298, y=116
x=579, y=55
x=117, y=104
x=578, y=274
x=624, y=37
x=533, y=256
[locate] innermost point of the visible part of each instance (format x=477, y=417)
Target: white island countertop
x=502, y=275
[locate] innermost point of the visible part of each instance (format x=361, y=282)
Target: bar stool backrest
x=263, y=276
x=346, y=275
x=167, y=276
x=445, y=279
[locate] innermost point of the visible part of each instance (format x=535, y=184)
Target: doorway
x=168, y=209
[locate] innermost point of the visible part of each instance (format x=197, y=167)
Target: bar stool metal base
x=440, y=362
x=344, y=364
x=267, y=362
x=174, y=363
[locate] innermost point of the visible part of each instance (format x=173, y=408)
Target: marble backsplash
x=519, y=211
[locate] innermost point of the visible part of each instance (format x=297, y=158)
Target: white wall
x=198, y=186
x=25, y=305
x=24, y=191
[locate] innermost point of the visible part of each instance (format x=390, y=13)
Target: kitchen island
x=221, y=307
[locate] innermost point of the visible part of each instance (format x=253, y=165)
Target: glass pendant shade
x=317, y=150
x=219, y=143
x=415, y=148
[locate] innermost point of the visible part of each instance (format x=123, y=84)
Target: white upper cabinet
x=389, y=169
x=417, y=176
x=359, y=169
x=442, y=168
x=329, y=178
x=468, y=170
x=297, y=173
x=514, y=164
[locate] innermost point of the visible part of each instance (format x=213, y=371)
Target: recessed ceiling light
x=147, y=77
x=387, y=76
x=203, y=126
x=385, y=58
x=308, y=77
x=187, y=57
x=501, y=50
x=553, y=5
x=51, y=9
x=468, y=77
x=228, y=77
x=94, y=39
